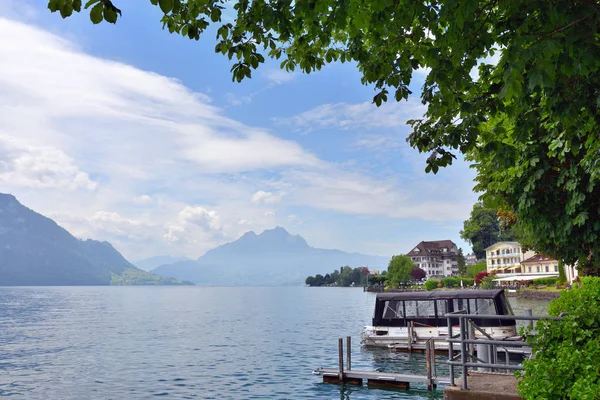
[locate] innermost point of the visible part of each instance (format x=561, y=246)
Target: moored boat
x=407, y=320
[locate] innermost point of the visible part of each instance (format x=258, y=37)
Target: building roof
x=538, y=258
x=434, y=246
x=503, y=243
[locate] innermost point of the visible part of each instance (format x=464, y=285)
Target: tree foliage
x=346, y=276
x=474, y=269
x=567, y=353
x=461, y=262
x=529, y=121
x=482, y=229
x=418, y=273
x=399, y=270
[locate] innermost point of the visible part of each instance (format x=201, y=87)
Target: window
x=537, y=268
x=459, y=304
x=482, y=306
x=442, y=308
x=547, y=268
x=393, y=310
x=529, y=269
x=555, y=267
x=423, y=309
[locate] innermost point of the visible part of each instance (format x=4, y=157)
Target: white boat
x=405, y=321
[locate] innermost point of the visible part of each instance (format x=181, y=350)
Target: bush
x=480, y=276
x=431, y=284
x=545, y=281
x=451, y=282
x=488, y=282
x=567, y=353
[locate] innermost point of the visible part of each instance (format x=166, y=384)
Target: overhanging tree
x=483, y=229
x=545, y=83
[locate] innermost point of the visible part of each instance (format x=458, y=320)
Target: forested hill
x=36, y=251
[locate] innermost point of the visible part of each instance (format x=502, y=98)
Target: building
x=437, y=258
x=539, y=264
x=510, y=263
x=470, y=259
x=506, y=257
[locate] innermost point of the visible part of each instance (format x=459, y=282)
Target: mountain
x=151, y=263
x=35, y=251
x=272, y=258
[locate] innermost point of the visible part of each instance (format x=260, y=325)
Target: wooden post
x=428, y=364
x=341, y=359
x=410, y=336
x=433, y=365
x=348, y=351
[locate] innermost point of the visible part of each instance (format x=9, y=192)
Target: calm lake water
x=189, y=342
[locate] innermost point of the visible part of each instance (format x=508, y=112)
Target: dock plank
x=382, y=376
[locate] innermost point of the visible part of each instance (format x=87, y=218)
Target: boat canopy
x=442, y=295
x=430, y=308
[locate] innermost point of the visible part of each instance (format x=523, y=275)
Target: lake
x=190, y=343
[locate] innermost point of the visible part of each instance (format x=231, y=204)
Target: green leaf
x=96, y=13
x=90, y=2
x=66, y=10
x=166, y=5
x=110, y=15
x=77, y=5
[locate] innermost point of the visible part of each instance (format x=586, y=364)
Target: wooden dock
x=379, y=379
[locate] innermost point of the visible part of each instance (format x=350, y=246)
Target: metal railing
x=467, y=341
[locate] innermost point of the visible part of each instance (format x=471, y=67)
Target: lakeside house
x=471, y=259
x=511, y=263
x=506, y=257
x=437, y=258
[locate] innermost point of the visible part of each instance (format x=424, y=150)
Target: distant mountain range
x=151, y=263
x=34, y=250
x=272, y=258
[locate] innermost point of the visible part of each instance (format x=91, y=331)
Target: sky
x=129, y=134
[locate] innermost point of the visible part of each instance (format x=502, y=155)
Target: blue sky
x=129, y=134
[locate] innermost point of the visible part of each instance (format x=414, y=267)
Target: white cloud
x=208, y=219
x=278, y=76
x=142, y=200
x=46, y=81
x=39, y=167
x=237, y=100
x=266, y=197
x=379, y=143
x=356, y=116
x=293, y=219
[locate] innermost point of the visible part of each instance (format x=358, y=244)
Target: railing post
x=463, y=352
x=341, y=359
x=450, y=355
x=348, y=350
x=528, y=312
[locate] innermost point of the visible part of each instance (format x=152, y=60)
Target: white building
x=506, y=257
x=510, y=263
x=437, y=258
